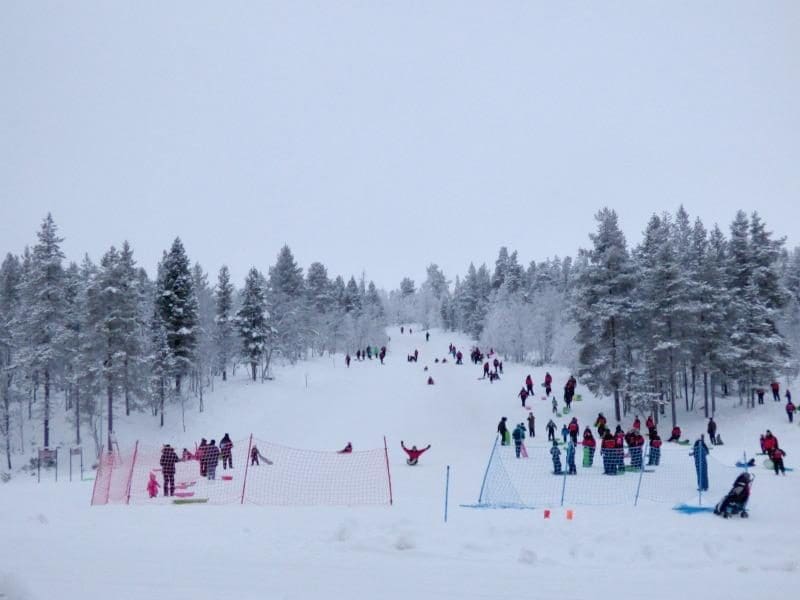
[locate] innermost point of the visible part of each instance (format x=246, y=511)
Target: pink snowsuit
x=152, y=486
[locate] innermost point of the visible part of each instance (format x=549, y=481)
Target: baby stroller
x=735, y=502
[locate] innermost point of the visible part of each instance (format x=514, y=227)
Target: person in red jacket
x=348, y=449
x=770, y=442
x=529, y=385
x=573, y=430
x=523, y=395
x=637, y=423
x=776, y=391
x=548, y=383
x=776, y=456
x=650, y=423
x=607, y=452
x=589, y=445
x=676, y=434
x=152, y=486
x=790, y=408
x=654, y=458
x=413, y=453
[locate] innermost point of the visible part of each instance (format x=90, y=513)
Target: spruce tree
x=251, y=321
x=224, y=334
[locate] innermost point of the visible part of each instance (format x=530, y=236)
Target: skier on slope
x=413, y=453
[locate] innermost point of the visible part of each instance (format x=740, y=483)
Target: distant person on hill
x=573, y=429
x=548, y=382
x=760, y=394
x=564, y=432
x=502, y=429
x=712, y=431
x=790, y=408
x=413, y=453
x=416, y=355
x=347, y=449
x=529, y=385
x=211, y=456
x=382, y=354
x=531, y=425
x=226, y=450
x=486, y=369
x=410, y=330
x=369, y=352
x=555, y=453
x=358, y=355
x=776, y=391
x=459, y=358
x=401, y=329
x=255, y=454
x=551, y=431
x=347, y=360
x=571, y=469
x=168, y=461
x=427, y=336
x=555, y=405
x=523, y=395
x=430, y=380
x=675, y=436
x=600, y=424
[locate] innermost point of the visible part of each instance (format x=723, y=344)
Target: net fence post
x=96, y=476
x=130, y=473
x=388, y=472
x=486, y=473
x=446, y=492
x=563, y=488
x=246, y=466
x=639, y=485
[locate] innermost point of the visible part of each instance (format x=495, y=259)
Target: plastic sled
x=227, y=477
x=690, y=509
x=183, y=494
x=578, y=398
x=566, y=410
x=190, y=501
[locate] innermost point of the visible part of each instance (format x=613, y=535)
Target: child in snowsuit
x=523, y=395
x=551, y=431
x=589, y=445
x=556, y=454
x=635, y=444
x=255, y=454
x=654, y=457
x=675, y=436
x=573, y=429
x=571, y=459
x=607, y=450
x=555, y=405
x=776, y=456
x=152, y=486
x=564, y=432
x=413, y=453
x=518, y=435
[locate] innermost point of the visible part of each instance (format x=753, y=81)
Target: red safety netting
x=269, y=475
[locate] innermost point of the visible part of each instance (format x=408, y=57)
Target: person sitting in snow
x=186, y=455
x=347, y=449
x=413, y=453
x=675, y=436
x=255, y=454
x=153, y=485
x=430, y=380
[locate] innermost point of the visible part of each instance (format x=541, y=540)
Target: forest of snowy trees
x=98, y=340
x=686, y=315
x=671, y=324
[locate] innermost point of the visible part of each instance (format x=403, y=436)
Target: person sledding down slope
x=735, y=502
x=413, y=453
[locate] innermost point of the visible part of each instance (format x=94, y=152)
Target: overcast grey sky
x=381, y=136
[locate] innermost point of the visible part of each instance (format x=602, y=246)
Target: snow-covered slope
x=56, y=545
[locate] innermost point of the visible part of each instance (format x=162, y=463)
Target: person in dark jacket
x=226, y=450
x=211, y=456
x=790, y=408
x=551, y=431
x=635, y=446
x=712, y=431
x=760, y=394
x=459, y=358
x=531, y=425
x=518, y=435
x=523, y=395
x=413, y=453
x=502, y=429
x=168, y=461
x=548, y=383
x=348, y=449
x=571, y=469
x=486, y=369
x=776, y=456
x=347, y=360
x=529, y=385
x=201, y=449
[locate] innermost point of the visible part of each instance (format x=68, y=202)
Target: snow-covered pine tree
x=251, y=321
x=286, y=303
x=10, y=277
x=224, y=337
x=41, y=325
x=321, y=307
x=177, y=306
x=206, y=352
x=603, y=310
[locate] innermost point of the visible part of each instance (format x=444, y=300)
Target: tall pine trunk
x=7, y=417
x=47, y=408
x=110, y=395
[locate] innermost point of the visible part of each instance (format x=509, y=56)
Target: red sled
x=227, y=477
x=183, y=494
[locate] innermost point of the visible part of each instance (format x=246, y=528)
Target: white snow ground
x=55, y=545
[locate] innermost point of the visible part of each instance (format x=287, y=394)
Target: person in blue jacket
x=571, y=458
x=700, y=454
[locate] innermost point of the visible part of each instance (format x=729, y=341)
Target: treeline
x=686, y=315
x=106, y=338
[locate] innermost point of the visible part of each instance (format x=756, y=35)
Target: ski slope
x=56, y=546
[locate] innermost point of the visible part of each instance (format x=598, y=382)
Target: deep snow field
x=54, y=545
